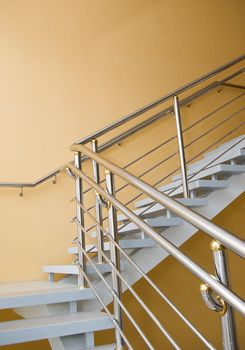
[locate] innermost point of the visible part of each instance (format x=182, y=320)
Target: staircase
x=218, y=186
x=66, y=308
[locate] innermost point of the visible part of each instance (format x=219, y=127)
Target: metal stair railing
x=149, y=121
x=205, y=167
x=170, y=156
x=215, y=290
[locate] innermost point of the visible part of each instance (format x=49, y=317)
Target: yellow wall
x=69, y=68
x=182, y=288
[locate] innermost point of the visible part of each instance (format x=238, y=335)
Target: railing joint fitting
x=216, y=246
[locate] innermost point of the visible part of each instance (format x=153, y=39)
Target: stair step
x=166, y=222
x=131, y=228
x=14, y=299
x=227, y=149
x=236, y=154
x=159, y=222
x=20, y=331
x=205, y=185
x=104, y=347
x=124, y=244
x=195, y=184
x=73, y=269
x=188, y=202
x=221, y=148
x=220, y=169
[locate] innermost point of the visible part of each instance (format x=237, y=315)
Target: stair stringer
x=217, y=201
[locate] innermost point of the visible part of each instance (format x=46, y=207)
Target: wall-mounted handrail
x=205, y=225
x=161, y=100
x=227, y=239
x=145, y=123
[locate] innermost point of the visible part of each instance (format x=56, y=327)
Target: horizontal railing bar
x=141, y=272
x=221, y=290
x=163, y=113
x=174, y=171
x=155, y=103
x=227, y=239
x=189, y=144
x=190, y=160
x=117, y=299
x=167, y=141
x=189, y=178
x=205, y=167
x=171, y=173
x=125, y=134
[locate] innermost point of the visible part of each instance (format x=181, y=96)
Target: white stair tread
x=104, y=347
x=122, y=217
x=188, y=202
x=12, y=332
x=195, y=185
x=235, y=153
x=124, y=244
x=221, y=148
x=159, y=222
x=73, y=269
x=133, y=228
x=219, y=169
x=14, y=299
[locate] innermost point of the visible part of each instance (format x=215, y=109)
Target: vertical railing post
x=222, y=273
x=80, y=219
x=115, y=259
x=181, y=147
x=98, y=208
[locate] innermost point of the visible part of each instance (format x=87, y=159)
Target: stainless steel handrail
x=165, y=98
x=139, y=112
x=117, y=327
x=117, y=299
x=172, y=138
x=190, y=216
x=151, y=205
x=152, y=284
x=161, y=114
x=172, y=173
x=207, y=166
x=137, y=297
x=190, y=160
x=227, y=239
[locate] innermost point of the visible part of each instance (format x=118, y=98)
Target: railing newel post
x=181, y=147
x=80, y=218
x=98, y=207
x=115, y=259
x=222, y=274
